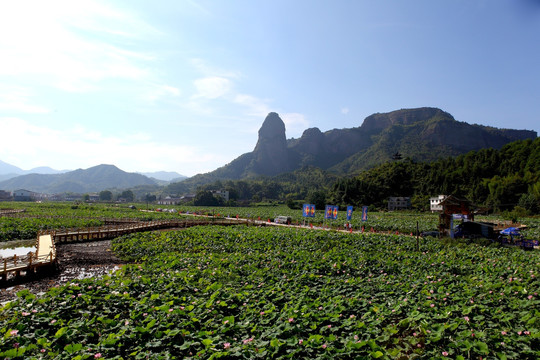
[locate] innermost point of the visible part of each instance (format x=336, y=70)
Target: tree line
x=499, y=180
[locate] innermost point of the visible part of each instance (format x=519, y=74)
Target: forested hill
x=494, y=179
x=423, y=134
x=498, y=179
x=93, y=179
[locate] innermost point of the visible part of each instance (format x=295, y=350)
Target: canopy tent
x=510, y=231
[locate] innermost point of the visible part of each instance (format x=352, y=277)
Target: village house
x=23, y=195
x=224, y=194
x=399, y=203
x=5, y=195
x=168, y=200
x=435, y=203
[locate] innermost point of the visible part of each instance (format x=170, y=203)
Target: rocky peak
x=270, y=154
x=272, y=130
x=380, y=121
x=311, y=142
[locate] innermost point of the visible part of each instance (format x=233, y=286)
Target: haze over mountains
x=423, y=134
x=94, y=179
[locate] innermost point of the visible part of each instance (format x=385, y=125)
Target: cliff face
x=423, y=134
x=270, y=156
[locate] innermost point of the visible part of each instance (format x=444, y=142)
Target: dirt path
x=75, y=261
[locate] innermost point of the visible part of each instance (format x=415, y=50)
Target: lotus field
x=65, y=215
x=281, y=293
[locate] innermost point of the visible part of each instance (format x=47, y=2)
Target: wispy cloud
x=88, y=147
x=212, y=87
x=60, y=43
x=221, y=85
x=345, y=110
x=295, y=124
x=157, y=92
x=254, y=105
x=18, y=99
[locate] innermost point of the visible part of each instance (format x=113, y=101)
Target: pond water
x=19, y=251
x=19, y=248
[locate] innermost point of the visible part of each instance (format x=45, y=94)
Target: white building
x=223, y=193
x=169, y=201
x=435, y=203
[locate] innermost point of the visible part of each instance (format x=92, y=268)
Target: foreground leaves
x=246, y=292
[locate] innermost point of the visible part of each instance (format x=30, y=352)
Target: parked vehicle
x=283, y=220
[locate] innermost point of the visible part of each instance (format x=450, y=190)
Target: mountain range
x=94, y=179
x=421, y=134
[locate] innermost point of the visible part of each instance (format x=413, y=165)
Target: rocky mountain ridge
x=421, y=134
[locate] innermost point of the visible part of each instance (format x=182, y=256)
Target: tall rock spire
x=270, y=154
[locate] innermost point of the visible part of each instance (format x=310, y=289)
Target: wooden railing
x=32, y=260
x=47, y=239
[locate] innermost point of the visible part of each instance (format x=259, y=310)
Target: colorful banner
x=331, y=212
x=308, y=210
x=364, y=213
x=349, y=213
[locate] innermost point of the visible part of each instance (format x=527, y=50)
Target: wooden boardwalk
x=45, y=254
x=113, y=231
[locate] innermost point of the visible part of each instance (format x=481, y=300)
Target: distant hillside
x=8, y=171
x=165, y=175
x=423, y=134
x=93, y=179
x=6, y=168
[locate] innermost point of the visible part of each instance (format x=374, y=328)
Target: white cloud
x=212, y=87
x=207, y=69
x=18, y=99
x=157, y=92
x=255, y=106
x=68, y=44
x=295, y=124
x=80, y=147
x=345, y=110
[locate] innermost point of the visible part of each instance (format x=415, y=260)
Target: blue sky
x=185, y=85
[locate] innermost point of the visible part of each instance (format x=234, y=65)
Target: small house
x=435, y=203
x=22, y=195
x=399, y=203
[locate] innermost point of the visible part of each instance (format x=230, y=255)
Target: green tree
x=530, y=203
x=206, y=198
x=317, y=198
x=105, y=195
x=149, y=198
x=127, y=195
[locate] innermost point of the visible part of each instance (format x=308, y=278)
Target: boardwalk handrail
x=27, y=262
x=33, y=260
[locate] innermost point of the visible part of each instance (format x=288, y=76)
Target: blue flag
x=349, y=213
x=331, y=212
x=364, y=213
x=308, y=210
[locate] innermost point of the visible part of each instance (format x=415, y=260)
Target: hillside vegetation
x=499, y=179
x=495, y=179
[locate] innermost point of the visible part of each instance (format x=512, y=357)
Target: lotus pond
x=249, y=292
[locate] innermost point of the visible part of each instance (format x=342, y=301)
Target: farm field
x=251, y=292
x=46, y=216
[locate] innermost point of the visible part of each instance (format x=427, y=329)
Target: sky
x=182, y=85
